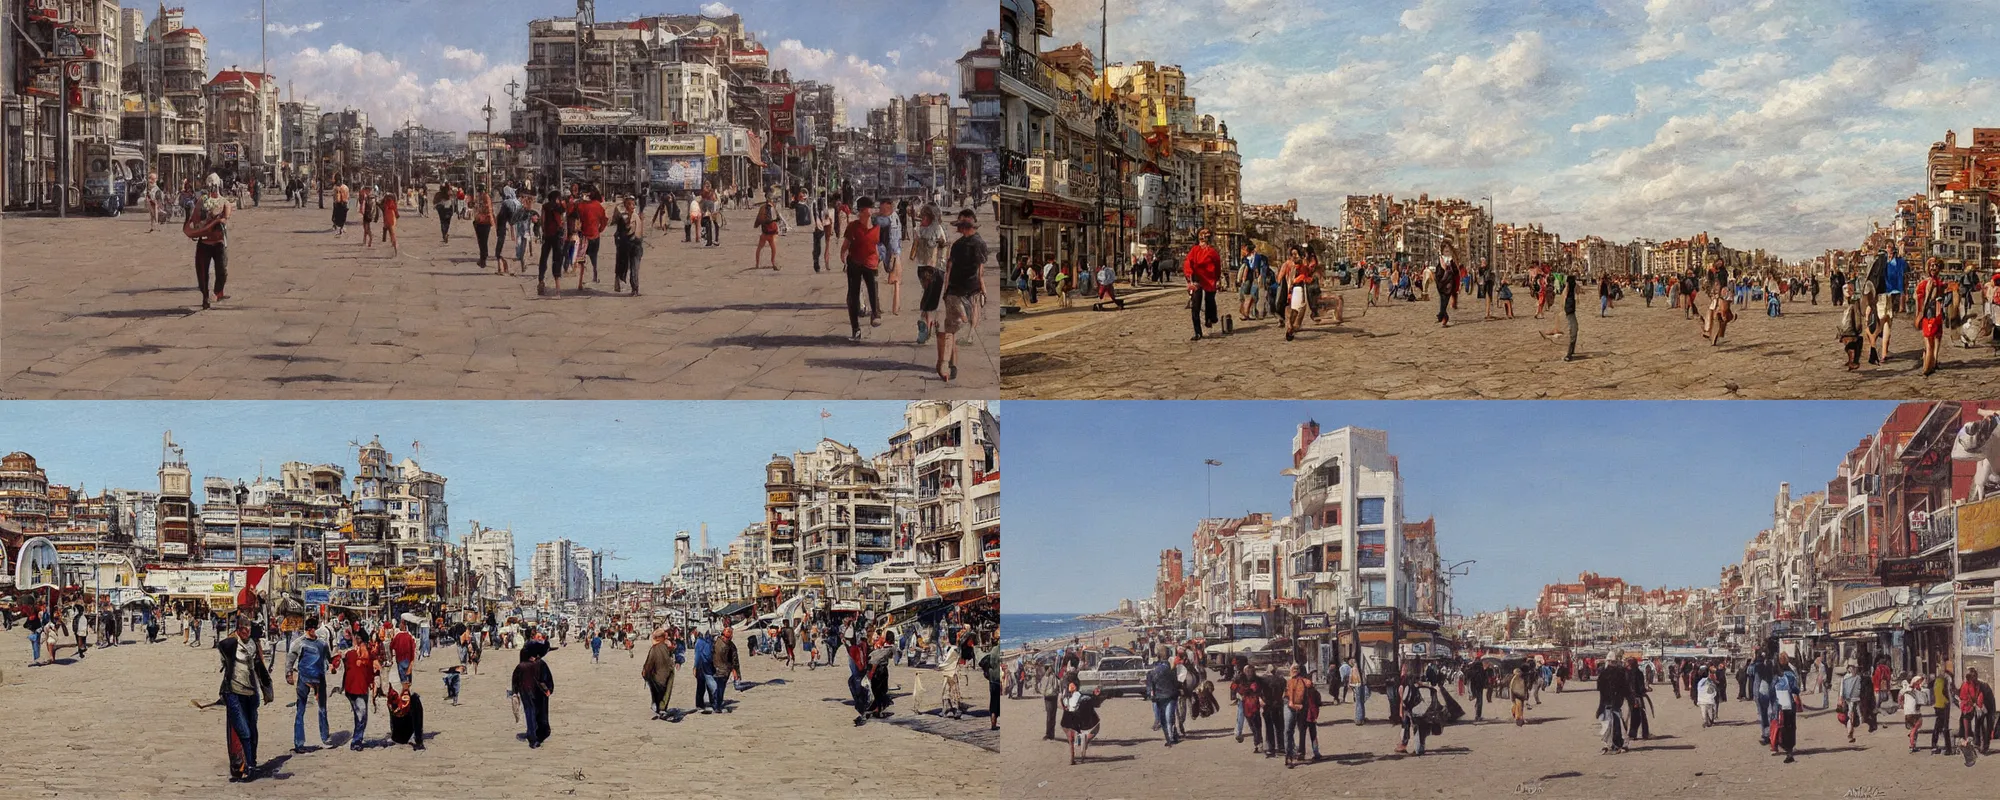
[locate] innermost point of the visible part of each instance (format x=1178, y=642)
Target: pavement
x=118, y=723
x=1397, y=352
x=98, y=308
x=1555, y=755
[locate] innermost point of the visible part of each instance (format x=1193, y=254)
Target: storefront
x=1978, y=553
x=1050, y=229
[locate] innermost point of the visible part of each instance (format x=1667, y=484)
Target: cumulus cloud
x=894, y=56
x=863, y=84
x=467, y=59
x=391, y=90
x=287, y=31
x=716, y=10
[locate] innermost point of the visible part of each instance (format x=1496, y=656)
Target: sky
x=1789, y=126
x=623, y=476
x=1662, y=494
x=435, y=62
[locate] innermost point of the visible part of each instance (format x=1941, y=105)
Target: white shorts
x=1298, y=298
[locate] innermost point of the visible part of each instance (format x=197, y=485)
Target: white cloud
x=1422, y=17
x=716, y=10
x=863, y=84
x=467, y=59
x=288, y=31
x=391, y=90
x=1478, y=111
x=894, y=56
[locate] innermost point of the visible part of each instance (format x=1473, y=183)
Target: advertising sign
x=35, y=566
x=1907, y=571
x=318, y=595
x=677, y=173
x=1979, y=535
x=1977, y=629
x=192, y=582
x=784, y=115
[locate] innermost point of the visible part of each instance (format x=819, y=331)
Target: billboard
x=677, y=145
x=1979, y=535
x=36, y=565
x=677, y=173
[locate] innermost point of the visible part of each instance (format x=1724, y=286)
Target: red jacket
x=1203, y=267
x=404, y=646
x=360, y=666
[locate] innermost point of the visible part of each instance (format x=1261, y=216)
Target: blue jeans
x=403, y=672
x=1241, y=720
x=34, y=647
x=717, y=685
x=424, y=642
x=242, y=720
x=1765, y=708
x=531, y=714
x=318, y=689
x=1163, y=714
x=1360, y=704
x=358, y=703
x=702, y=685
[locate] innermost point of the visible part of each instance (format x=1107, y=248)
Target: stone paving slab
x=99, y=308
x=1397, y=352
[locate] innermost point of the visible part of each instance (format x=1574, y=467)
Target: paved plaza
x=98, y=308
x=1397, y=352
x=1555, y=755
x=118, y=723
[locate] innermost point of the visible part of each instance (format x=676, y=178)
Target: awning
x=912, y=610
x=1238, y=646
x=1869, y=623
x=733, y=609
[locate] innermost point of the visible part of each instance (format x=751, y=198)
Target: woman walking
x=446, y=209
x=482, y=221
x=1079, y=720
x=369, y=210
x=389, y=225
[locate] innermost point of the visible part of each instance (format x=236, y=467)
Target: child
x=451, y=675
x=1507, y=299
x=1705, y=691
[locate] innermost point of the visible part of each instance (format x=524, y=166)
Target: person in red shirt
x=359, y=662
x=404, y=647
x=590, y=222
x=861, y=249
x=1203, y=268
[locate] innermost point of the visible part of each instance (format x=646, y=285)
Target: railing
x=1852, y=564
x=1027, y=68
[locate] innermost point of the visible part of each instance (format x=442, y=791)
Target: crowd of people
x=1279, y=704
x=1872, y=291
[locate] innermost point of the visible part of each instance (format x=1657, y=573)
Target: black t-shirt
x=34, y=623
x=967, y=255
x=1569, y=295
x=802, y=212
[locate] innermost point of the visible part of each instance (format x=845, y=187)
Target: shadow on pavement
x=867, y=364
x=137, y=313
x=755, y=342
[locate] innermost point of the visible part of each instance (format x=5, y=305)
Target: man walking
x=862, y=253
x=1203, y=268
x=359, y=661
x=1613, y=688
x=658, y=671
x=244, y=677
x=403, y=646
x=1164, y=691
x=306, y=668
x=728, y=667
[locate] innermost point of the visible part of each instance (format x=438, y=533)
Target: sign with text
x=677, y=173
x=1933, y=568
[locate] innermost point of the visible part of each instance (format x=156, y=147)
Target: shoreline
x=1113, y=631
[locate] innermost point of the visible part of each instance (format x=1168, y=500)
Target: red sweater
x=1203, y=267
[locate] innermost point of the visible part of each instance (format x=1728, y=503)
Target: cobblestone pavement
x=98, y=308
x=118, y=723
x=1397, y=352
x=1555, y=755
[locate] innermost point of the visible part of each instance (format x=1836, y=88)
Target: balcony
x=1023, y=75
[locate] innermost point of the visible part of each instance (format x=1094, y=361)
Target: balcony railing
x=1027, y=68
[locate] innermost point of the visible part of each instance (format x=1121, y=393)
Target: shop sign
x=1867, y=603
x=1060, y=212
x=1377, y=616
x=780, y=497
x=67, y=46
x=1315, y=621
x=1979, y=535
x=1933, y=568
x=679, y=145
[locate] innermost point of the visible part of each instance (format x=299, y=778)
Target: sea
x=1017, y=630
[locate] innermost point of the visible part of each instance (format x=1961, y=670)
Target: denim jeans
x=718, y=684
x=242, y=721
x=1241, y=719
x=403, y=672
x=318, y=691
x=1163, y=715
x=1612, y=727
x=531, y=714
x=35, y=647
x=703, y=684
x=1764, y=709
x=1294, y=740
x=358, y=703
x=1360, y=703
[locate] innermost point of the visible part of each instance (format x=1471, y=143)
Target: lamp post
x=240, y=493
x=1211, y=464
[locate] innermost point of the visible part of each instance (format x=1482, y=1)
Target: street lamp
x=1211, y=464
x=240, y=494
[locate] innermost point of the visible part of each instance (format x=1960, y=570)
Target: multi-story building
x=90, y=32
x=179, y=538
x=490, y=557
x=1347, y=499
x=953, y=452
x=552, y=572
x=24, y=493
x=243, y=133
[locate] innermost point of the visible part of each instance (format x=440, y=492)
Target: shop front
x=1050, y=229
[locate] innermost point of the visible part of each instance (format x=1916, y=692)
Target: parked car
x=1115, y=675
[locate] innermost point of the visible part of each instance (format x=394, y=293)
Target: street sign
x=75, y=71
x=67, y=46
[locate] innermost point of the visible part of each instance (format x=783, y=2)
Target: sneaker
x=923, y=332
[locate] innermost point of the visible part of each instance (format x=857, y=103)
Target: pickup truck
x=1115, y=675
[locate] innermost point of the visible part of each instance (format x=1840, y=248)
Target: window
x=1371, y=510
x=1372, y=551
x=1330, y=517
x=1374, y=592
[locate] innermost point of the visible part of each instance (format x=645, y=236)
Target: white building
x=1347, y=501
x=687, y=92
x=552, y=572
x=490, y=556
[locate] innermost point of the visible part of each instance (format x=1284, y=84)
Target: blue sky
x=436, y=61
x=1782, y=125
x=623, y=476
x=1661, y=494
